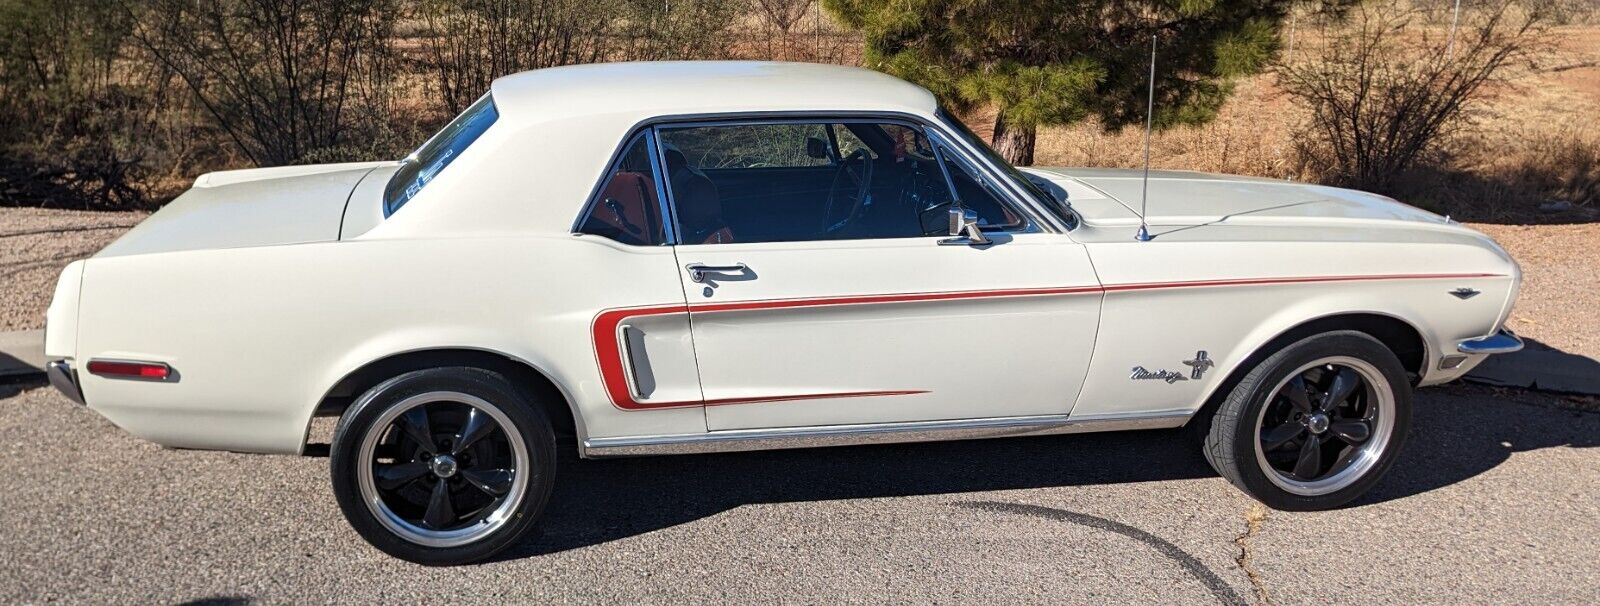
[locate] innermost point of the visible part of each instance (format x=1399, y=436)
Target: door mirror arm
x=964, y=229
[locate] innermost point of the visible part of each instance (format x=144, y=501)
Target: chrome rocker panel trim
x=64, y=379
x=1501, y=342
x=876, y=433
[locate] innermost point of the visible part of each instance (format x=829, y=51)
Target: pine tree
x=1049, y=62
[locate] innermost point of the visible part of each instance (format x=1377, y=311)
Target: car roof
x=640, y=90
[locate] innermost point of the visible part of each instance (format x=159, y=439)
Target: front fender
x=1233, y=323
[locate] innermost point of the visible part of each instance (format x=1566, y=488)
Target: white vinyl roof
x=651, y=89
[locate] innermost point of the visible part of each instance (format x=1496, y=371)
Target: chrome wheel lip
x=489, y=524
x=1380, y=395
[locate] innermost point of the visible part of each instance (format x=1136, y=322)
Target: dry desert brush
x=1386, y=88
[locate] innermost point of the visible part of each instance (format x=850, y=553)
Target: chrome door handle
x=698, y=271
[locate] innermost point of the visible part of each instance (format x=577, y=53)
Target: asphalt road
x=1494, y=501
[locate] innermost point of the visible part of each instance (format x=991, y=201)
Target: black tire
x=1245, y=430
x=510, y=513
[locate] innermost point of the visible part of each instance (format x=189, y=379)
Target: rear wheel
x=443, y=466
x=1315, y=424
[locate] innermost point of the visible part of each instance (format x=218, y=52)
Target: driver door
x=809, y=316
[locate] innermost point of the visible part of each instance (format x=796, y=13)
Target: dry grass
x=1250, y=136
x=1533, y=142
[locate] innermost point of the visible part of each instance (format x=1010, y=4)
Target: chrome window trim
x=736, y=440
x=1005, y=197
x=1011, y=184
x=1039, y=219
x=668, y=228
x=669, y=206
x=940, y=147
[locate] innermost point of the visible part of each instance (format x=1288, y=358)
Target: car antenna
x=1149, y=110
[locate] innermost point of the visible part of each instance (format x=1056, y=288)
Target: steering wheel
x=855, y=169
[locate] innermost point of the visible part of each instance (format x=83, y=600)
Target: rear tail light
x=126, y=369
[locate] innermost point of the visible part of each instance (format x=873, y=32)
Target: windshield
x=424, y=164
x=1059, y=207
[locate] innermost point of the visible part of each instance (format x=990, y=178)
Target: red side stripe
x=608, y=351
x=1305, y=280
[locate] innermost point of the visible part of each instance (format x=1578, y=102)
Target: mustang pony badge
x=1198, y=367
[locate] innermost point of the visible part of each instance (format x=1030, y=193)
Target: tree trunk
x=1014, y=143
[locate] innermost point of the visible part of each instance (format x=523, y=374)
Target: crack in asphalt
x=1246, y=558
x=1190, y=564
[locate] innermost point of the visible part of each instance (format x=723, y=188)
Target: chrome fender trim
x=876, y=433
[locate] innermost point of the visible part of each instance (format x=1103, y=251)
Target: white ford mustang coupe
x=657, y=258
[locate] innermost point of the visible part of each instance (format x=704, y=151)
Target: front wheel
x=443, y=466
x=1316, y=424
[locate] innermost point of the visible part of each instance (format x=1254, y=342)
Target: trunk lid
x=255, y=207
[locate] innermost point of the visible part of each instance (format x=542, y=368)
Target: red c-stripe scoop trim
x=608, y=354
x=608, y=351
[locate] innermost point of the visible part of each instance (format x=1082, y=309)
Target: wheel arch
x=1399, y=335
x=548, y=393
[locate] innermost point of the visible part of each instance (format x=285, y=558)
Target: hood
x=255, y=207
x=1110, y=197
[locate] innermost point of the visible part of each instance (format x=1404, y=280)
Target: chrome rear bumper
x=64, y=379
x=1498, y=343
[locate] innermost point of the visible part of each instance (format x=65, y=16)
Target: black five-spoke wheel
x=443, y=466
x=1315, y=424
x=1318, y=427
x=442, y=470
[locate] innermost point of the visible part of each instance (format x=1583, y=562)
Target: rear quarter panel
x=258, y=335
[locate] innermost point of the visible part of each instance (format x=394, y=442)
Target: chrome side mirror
x=964, y=228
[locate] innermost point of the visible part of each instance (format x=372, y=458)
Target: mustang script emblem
x=1198, y=367
x=1141, y=373
x=1200, y=364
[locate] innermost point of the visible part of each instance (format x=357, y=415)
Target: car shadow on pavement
x=1453, y=438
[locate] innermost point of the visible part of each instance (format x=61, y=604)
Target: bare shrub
x=465, y=44
x=71, y=130
x=655, y=30
x=279, y=77
x=793, y=30
x=778, y=19
x=1383, y=91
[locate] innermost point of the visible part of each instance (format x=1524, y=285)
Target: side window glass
x=775, y=182
x=627, y=209
x=750, y=146
x=977, y=193
x=849, y=143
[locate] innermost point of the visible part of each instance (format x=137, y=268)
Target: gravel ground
x=35, y=244
x=1492, y=502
